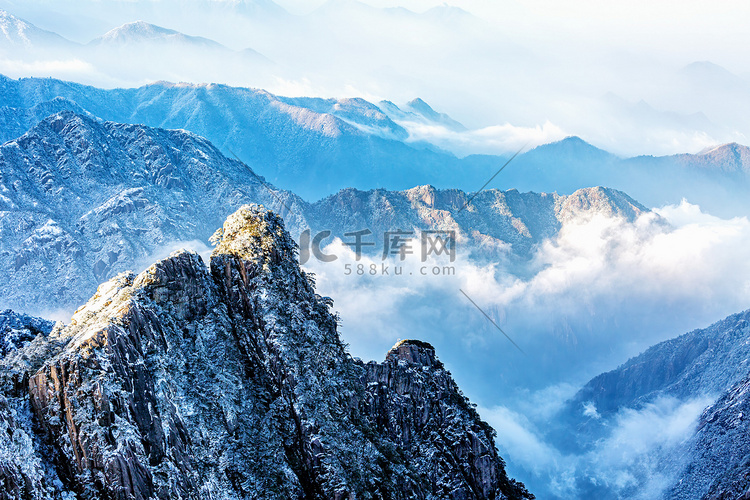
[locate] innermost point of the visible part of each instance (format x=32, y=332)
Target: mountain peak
x=728, y=147
x=571, y=147
x=17, y=32
x=256, y=234
x=705, y=67
x=138, y=29
x=421, y=108
x=601, y=200
x=729, y=157
x=708, y=73
x=141, y=32
x=413, y=351
x=424, y=109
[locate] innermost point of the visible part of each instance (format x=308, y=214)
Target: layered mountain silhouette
x=314, y=147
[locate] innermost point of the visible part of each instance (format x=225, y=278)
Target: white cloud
x=496, y=139
x=65, y=68
x=520, y=441
x=637, y=458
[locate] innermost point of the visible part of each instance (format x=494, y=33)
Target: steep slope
x=707, y=361
x=15, y=122
x=720, y=452
x=413, y=401
x=230, y=381
x=311, y=146
x=82, y=201
x=673, y=379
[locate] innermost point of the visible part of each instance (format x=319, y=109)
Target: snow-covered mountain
x=17, y=330
x=230, y=381
x=83, y=200
x=145, y=38
x=157, y=53
x=719, y=465
x=315, y=146
x=729, y=158
x=420, y=112
x=17, y=34
x=135, y=51
x=312, y=146
x=140, y=32
x=491, y=219
x=670, y=381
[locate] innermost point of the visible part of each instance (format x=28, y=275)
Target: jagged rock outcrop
x=414, y=402
x=230, y=381
x=488, y=220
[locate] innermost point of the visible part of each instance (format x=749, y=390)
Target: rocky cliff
x=230, y=381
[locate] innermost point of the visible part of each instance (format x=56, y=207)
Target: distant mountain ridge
x=730, y=158
x=707, y=361
x=315, y=146
x=141, y=31
x=710, y=364
x=15, y=33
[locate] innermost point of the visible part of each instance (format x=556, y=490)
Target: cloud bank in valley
x=638, y=458
x=601, y=291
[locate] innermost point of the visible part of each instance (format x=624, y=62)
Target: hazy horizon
x=636, y=79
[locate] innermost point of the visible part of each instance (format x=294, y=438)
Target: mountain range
x=145, y=185
x=83, y=200
x=314, y=146
x=19, y=34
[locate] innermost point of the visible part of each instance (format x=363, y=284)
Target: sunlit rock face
x=230, y=381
